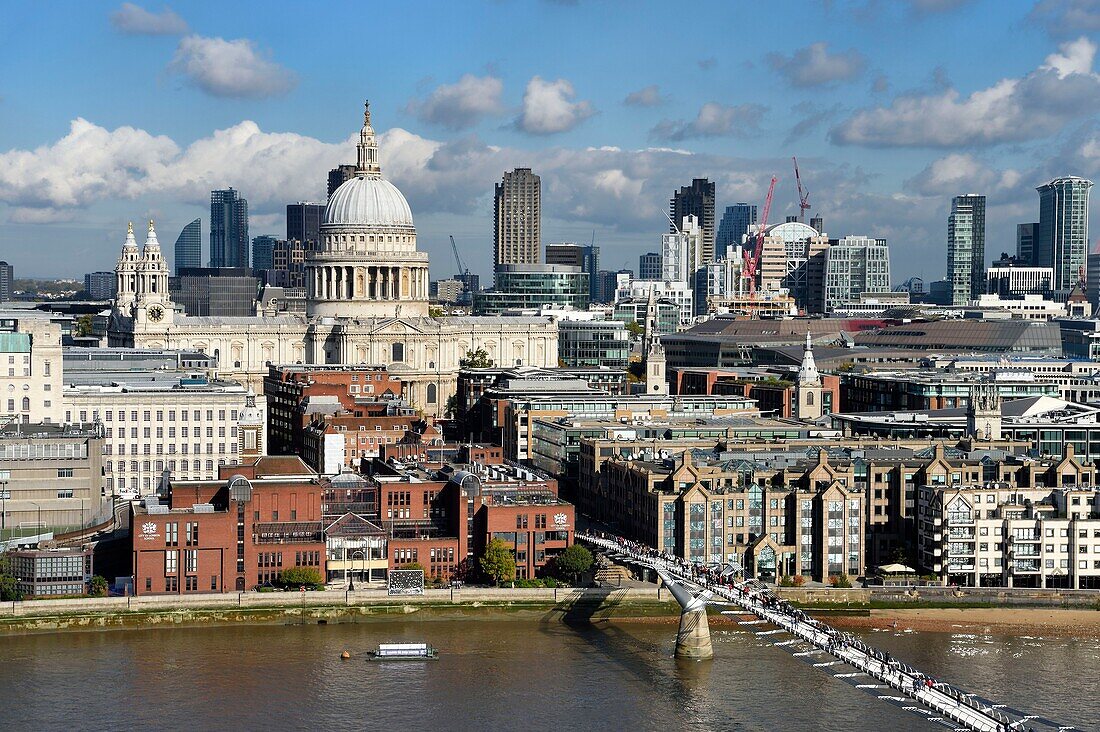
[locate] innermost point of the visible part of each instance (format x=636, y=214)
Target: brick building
x=230, y=534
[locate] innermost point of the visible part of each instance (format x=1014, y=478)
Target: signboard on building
x=405, y=582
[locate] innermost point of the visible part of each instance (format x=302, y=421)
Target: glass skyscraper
x=229, y=240
x=735, y=224
x=966, y=248
x=1062, y=239
x=695, y=200
x=263, y=252
x=188, y=251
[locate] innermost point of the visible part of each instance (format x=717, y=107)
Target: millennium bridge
x=845, y=657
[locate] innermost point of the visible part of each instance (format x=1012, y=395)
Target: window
x=191, y=561
x=171, y=561
x=171, y=533
x=192, y=533
x=65, y=493
x=64, y=472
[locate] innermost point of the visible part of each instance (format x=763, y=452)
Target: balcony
x=960, y=519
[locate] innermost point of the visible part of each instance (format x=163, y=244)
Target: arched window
x=431, y=394
x=26, y=404
x=810, y=399
x=397, y=352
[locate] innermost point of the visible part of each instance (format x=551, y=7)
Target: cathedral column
x=380, y=278
x=396, y=274
x=349, y=288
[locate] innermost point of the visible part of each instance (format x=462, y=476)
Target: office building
x=53, y=572
x=100, y=285
x=966, y=248
x=517, y=217
x=338, y=176
x=303, y=223
x=608, y=283
x=188, y=249
x=854, y=265
x=593, y=343
x=51, y=478
x=585, y=256
x=449, y=291
x=228, y=229
x=263, y=252
x=695, y=200
x=222, y=292
x=1063, y=234
x=1025, y=242
x=288, y=261
x=683, y=251
x=649, y=266
x=1012, y=277
x=7, y=277
x=526, y=286
x=733, y=227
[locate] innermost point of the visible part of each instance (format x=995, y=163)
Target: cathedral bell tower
x=126, y=274
x=152, y=305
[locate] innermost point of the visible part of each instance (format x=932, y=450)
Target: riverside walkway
x=875, y=671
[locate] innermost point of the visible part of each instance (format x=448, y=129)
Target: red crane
x=752, y=261
x=803, y=195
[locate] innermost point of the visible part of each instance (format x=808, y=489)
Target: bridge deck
x=957, y=709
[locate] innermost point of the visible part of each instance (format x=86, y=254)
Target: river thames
x=501, y=675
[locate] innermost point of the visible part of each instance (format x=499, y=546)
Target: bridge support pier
x=693, y=637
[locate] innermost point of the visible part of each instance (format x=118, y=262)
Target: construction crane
x=803, y=194
x=462, y=271
x=752, y=261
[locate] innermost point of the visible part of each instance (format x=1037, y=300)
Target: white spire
x=807, y=373
x=151, y=238
x=130, y=242
x=368, y=148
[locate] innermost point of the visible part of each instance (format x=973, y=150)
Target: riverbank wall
x=882, y=597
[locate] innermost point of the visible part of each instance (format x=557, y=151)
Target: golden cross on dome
x=150, y=224
x=130, y=228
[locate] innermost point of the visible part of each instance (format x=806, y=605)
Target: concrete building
x=695, y=200
x=263, y=252
x=188, y=249
x=1010, y=278
x=682, y=251
x=449, y=291
x=966, y=248
x=593, y=343
x=517, y=219
x=217, y=292
x=1063, y=235
x=920, y=389
x=649, y=266
x=54, y=572
x=51, y=479
x=100, y=285
x=303, y=223
x=793, y=258
x=228, y=229
x=289, y=262
x=640, y=292
x=338, y=176
x=853, y=265
x=732, y=229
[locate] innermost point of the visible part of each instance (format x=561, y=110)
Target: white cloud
x=1037, y=105
x=649, y=96
x=230, y=68
x=548, y=107
x=713, y=120
x=956, y=174
x=462, y=104
x=815, y=66
x=136, y=20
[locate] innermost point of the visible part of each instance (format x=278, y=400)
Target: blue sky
x=112, y=112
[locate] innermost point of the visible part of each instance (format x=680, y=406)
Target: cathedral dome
x=368, y=201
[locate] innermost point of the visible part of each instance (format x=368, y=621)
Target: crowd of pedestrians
x=758, y=597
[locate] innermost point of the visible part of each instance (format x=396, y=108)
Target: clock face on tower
x=155, y=313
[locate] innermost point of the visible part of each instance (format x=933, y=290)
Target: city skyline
x=899, y=138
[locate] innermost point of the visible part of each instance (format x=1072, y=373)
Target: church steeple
x=367, y=163
x=807, y=373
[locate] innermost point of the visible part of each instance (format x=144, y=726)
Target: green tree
x=435, y=312
x=83, y=326
x=635, y=328
x=413, y=565
x=498, y=562
x=8, y=589
x=295, y=576
x=99, y=586
x=452, y=406
x=478, y=359
x=573, y=562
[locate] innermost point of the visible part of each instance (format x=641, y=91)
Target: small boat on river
x=403, y=652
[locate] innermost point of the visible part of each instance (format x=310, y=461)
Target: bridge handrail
x=759, y=600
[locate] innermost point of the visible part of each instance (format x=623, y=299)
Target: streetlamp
x=4, y=503
x=38, y=524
